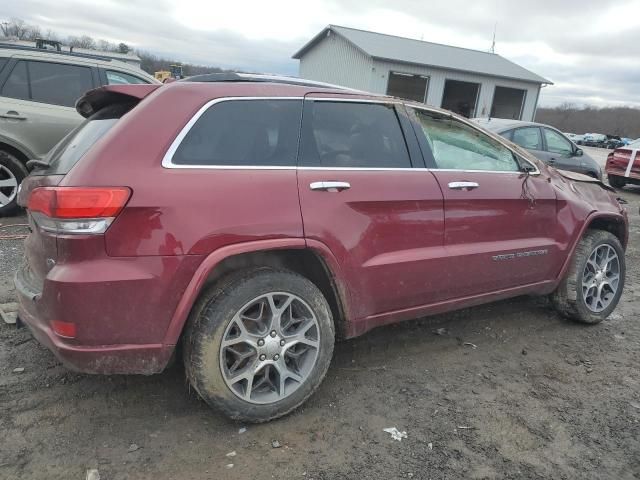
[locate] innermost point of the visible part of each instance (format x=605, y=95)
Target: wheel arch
x=615, y=224
x=291, y=254
x=610, y=223
x=17, y=150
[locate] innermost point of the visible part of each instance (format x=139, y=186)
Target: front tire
x=616, y=182
x=12, y=172
x=259, y=343
x=593, y=286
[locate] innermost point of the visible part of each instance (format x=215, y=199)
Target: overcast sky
x=590, y=49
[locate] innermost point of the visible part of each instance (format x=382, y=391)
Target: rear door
x=37, y=102
x=362, y=199
x=499, y=221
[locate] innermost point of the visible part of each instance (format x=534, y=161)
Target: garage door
x=508, y=103
x=461, y=97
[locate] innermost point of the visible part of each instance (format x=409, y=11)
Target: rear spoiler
x=95, y=99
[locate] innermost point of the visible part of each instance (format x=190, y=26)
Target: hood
x=579, y=177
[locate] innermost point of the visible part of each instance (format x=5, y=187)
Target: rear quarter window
x=243, y=133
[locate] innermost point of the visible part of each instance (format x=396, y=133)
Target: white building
x=469, y=82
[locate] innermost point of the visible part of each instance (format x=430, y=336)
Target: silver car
x=38, y=90
x=546, y=143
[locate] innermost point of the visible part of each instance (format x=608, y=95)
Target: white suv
x=38, y=90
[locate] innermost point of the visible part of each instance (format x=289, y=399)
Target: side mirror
x=578, y=153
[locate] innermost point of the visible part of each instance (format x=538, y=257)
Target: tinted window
x=345, y=134
x=244, y=132
x=121, y=78
x=3, y=62
x=556, y=143
x=73, y=147
x=58, y=84
x=457, y=146
x=528, y=137
x=16, y=85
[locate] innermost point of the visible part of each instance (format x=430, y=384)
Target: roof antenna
x=493, y=44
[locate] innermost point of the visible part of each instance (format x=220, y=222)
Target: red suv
x=253, y=220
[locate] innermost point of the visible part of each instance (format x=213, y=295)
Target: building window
x=408, y=86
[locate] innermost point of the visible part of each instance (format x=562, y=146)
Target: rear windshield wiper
x=35, y=163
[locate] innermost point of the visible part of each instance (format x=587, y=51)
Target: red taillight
x=78, y=202
x=64, y=329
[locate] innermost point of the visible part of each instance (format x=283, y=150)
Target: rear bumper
x=108, y=359
x=92, y=352
x=634, y=175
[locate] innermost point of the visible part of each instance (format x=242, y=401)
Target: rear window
x=72, y=148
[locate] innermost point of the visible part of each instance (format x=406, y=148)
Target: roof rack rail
x=251, y=77
x=12, y=46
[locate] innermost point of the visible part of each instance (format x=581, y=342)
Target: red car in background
x=253, y=220
x=623, y=165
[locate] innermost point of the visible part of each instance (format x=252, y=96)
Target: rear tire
x=593, y=285
x=12, y=172
x=617, y=182
x=258, y=343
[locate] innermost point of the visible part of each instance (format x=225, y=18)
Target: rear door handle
x=463, y=185
x=12, y=114
x=330, y=186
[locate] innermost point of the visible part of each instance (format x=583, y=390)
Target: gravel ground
x=537, y=397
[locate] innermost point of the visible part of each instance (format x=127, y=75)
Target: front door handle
x=13, y=115
x=330, y=186
x=463, y=185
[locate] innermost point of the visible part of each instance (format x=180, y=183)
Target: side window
x=17, y=85
x=58, y=84
x=457, y=146
x=243, y=133
x=556, y=143
x=3, y=62
x=528, y=137
x=121, y=78
x=347, y=134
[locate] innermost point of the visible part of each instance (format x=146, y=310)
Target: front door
x=360, y=197
x=499, y=220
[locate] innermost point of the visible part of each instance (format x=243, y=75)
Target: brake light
x=77, y=210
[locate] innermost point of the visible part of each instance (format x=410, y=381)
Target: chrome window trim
x=167, y=160
x=501, y=140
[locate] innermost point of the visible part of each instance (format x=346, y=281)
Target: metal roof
x=418, y=52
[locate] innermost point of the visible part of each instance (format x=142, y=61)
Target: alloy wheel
x=270, y=347
x=8, y=186
x=601, y=278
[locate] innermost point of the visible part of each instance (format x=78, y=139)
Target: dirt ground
x=537, y=397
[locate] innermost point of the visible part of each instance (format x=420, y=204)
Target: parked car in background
x=623, y=165
x=575, y=138
x=38, y=91
x=253, y=235
x=595, y=140
x=546, y=143
x=614, y=141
